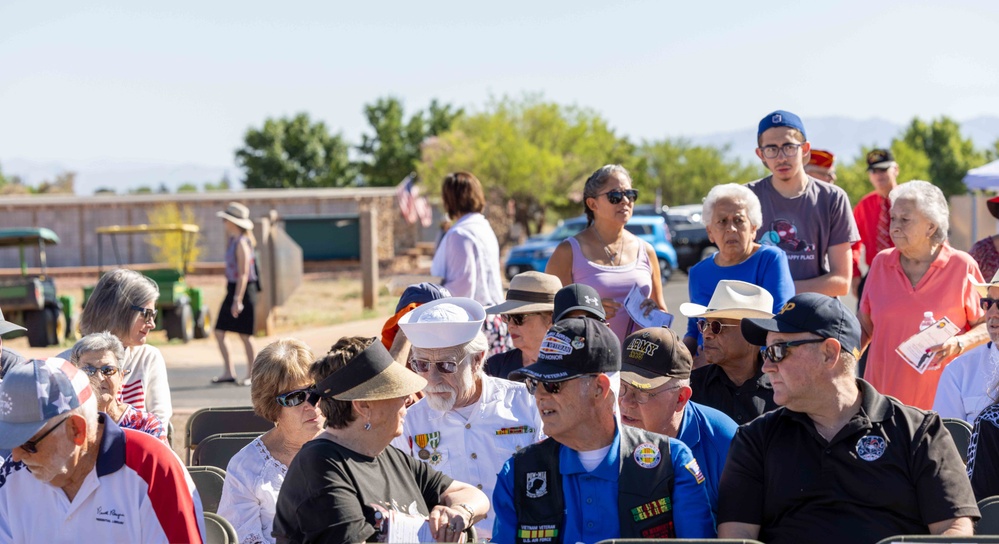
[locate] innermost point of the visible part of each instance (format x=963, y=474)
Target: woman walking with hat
x=237, y=311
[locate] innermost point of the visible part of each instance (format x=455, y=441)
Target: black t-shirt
x=328, y=491
x=892, y=470
x=743, y=403
x=502, y=364
x=9, y=358
x=983, y=454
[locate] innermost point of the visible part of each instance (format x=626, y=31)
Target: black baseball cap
x=808, y=312
x=578, y=296
x=879, y=158
x=574, y=347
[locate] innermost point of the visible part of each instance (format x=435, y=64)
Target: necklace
x=611, y=254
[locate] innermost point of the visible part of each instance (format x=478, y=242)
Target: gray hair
x=735, y=192
x=98, y=342
x=110, y=305
x=596, y=181
x=930, y=202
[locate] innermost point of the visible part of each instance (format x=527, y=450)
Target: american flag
x=413, y=206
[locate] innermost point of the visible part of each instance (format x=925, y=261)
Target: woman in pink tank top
x=604, y=255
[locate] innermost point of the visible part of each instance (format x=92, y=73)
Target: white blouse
x=249, y=495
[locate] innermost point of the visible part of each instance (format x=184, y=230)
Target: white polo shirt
x=503, y=421
x=138, y=492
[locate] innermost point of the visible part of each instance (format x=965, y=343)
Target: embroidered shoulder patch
x=693, y=468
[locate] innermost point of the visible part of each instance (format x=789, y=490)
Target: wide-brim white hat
x=442, y=323
x=983, y=288
x=733, y=300
x=238, y=214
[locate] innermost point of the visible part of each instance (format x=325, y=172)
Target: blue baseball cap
x=781, y=118
x=421, y=293
x=808, y=312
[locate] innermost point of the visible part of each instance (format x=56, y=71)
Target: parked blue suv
x=534, y=254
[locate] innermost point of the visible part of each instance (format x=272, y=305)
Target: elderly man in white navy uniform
x=468, y=424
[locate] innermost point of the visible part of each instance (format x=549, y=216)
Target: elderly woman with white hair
x=732, y=215
x=922, y=273
x=100, y=356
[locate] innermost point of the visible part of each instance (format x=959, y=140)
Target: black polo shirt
x=983, y=454
x=892, y=470
x=502, y=364
x=743, y=403
x=9, y=358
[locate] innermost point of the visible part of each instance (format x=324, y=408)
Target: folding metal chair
x=230, y=419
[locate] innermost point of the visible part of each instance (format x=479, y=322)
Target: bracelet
x=960, y=346
x=471, y=512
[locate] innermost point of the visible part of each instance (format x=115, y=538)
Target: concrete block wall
x=75, y=219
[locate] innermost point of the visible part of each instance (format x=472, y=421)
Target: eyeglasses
x=987, y=303
x=422, y=366
x=517, y=319
x=294, y=398
x=777, y=352
x=615, y=196
x=107, y=370
x=31, y=446
x=553, y=388
x=642, y=397
x=715, y=327
x=147, y=313
x=772, y=151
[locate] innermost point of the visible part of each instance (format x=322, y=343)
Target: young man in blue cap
x=594, y=479
x=838, y=462
x=811, y=221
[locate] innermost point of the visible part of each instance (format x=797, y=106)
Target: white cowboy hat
x=733, y=300
x=983, y=288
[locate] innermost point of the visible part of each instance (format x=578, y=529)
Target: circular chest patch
x=871, y=448
x=647, y=455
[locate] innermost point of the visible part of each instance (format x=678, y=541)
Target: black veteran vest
x=644, y=495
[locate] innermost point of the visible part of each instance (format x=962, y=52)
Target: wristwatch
x=960, y=346
x=471, y=512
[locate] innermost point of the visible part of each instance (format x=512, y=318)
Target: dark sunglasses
x=987, y=303
x=715, y=327
x=422, y=366
x=616, y=196
x=147, y=313
x=777, y=352
x=31, y=446
x=294, y=398
x=553, y=388
x=516, y=319
x=106, y=370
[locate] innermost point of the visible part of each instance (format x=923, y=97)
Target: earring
x=367, y=426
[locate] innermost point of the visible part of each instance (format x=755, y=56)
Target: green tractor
x=31, y=300
x=182, y=310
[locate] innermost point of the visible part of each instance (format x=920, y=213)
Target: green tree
x=187, y=187
x=530, y=154
x=992, y=153
x=685, y=172
x=391, y=153
x=294, y=153
x=950, y=154
x=3, y=179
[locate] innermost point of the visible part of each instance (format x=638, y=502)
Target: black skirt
x=244, y=323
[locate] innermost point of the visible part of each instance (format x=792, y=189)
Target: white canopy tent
x=983, y=178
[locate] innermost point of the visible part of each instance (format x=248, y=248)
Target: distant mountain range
x=844, y=136
x=841, y=135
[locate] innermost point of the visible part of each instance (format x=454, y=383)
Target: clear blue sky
x=180, y=82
